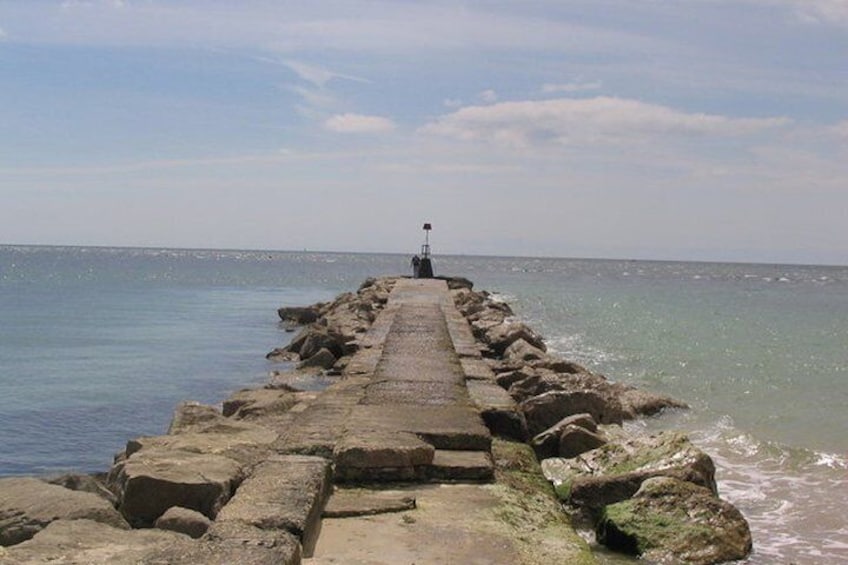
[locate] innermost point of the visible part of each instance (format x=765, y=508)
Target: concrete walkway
x=413, y=431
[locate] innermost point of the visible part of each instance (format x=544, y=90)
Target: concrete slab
x=287, y=493
x=461, y=466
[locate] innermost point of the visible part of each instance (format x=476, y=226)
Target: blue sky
x=652, y=129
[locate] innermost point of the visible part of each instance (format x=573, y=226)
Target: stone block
x=28, y=505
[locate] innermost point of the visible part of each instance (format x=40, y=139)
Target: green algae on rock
x=669, y=520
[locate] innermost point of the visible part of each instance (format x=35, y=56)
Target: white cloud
x=359, y=123
x=488, y=96
x=596, y=120
x=571, y=87
x=822, y=11
x=319, y=76
x=452, y=102
x=3, y=34
x=840, y=130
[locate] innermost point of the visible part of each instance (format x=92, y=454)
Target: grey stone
x=547, y=409
x=153, y=480
x=28, y=505
x=183, y=521
x=323, y=359
x=501, y=336
x=190, y=416
x=286, y=493
x=256, y=403
x=523, y=351
x=546, y=443
x=576, y=440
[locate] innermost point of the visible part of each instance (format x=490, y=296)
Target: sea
x=98, y=345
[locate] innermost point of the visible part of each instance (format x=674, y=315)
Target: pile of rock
x=236, y=485
x=331, y=329
x=651, y=496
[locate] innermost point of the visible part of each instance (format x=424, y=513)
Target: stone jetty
x=425, y=447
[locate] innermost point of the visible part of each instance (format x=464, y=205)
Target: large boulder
x=547, y=409
x=78, y=542
x=322, y=359
x=319, y=338
x=615, y=471
x=672, y=521
x=643, y=403
x=259, y=402
x=191, y=416
x=243, y=441
x=300, y=315
x=28, y=505
x=576, y=440
x=547, y=443
x=95, y=484
x=501, y=336
x=520, y=349
x=536, y=383
x=183, y=521
x=154, y=479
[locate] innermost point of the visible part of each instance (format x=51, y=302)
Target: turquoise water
x=98, y=345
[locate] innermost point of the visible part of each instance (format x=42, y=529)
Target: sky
x=639, y=129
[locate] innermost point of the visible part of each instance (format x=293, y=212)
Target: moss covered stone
x=676, y=521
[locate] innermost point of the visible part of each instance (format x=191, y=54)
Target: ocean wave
x=575, y=348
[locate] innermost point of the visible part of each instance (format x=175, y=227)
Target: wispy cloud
x=571, y=87
x=488, y=96
x=600, y=119
x=359, y=123
x=822, y=11
x=317, y=75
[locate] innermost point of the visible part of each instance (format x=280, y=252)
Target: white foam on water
x=793, y=499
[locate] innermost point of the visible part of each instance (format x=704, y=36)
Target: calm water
x=98, y=345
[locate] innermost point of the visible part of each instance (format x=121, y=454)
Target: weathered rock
x=575, y=440
x=615, y=471
x=345, y=503
x=559, y=365
x=78, y=542
x=458, y=282
x=520, y=349
x=286, y=493
x=644, y=403
x=90, y=542
x=672, y=521
x=259, y=402
x=381, y=455
x=546, y=443
x=507, y=378
x=534, y=385
x=547, y=409
x=190, y=416
x=453, y=465
x=318, y=338
x=28, y=505
x=155, y=479
x=183, y=521
x=503, y=335
x=323, y=359
x=300, y=315
x=95, y=484
x=281, y=355
x=286, y=546
x=243, y=441
x=498, y=410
